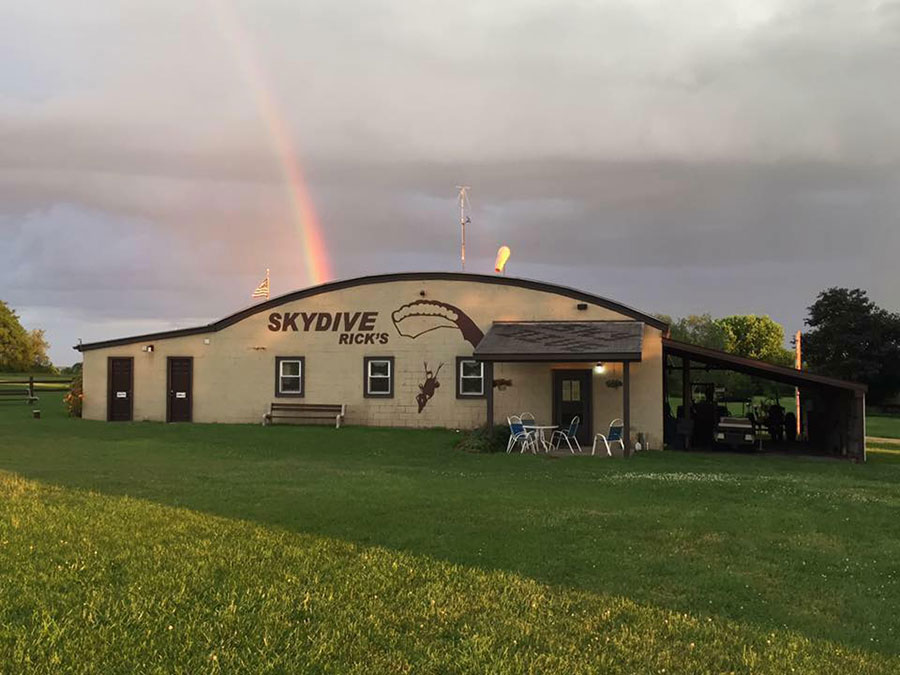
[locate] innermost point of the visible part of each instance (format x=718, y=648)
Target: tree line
x=848, y=336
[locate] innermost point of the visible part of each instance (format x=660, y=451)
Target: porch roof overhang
x=562, y=341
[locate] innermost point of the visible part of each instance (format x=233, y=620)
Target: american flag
x=262, y=291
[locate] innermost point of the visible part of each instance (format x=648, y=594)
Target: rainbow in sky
x=315, y=257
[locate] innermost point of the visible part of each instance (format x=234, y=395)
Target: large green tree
x=852, y=338
x=20, y=350
x=755, y=337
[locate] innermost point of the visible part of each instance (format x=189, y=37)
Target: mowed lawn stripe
x=92, y=583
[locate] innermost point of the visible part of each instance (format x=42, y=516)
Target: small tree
x=37, y=357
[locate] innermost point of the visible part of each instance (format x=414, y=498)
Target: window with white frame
x=289, y=373
x=469, y=378
x=379, y=376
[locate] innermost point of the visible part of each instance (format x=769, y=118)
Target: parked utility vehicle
x=735, y=432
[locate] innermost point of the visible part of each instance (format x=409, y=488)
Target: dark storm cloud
x=723, y=157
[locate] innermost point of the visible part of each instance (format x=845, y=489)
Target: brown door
x=571, y=397
x=119, y=389
x=180, y=383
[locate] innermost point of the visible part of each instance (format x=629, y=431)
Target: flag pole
x=799, y=365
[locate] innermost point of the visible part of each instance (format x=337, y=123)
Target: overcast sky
x=717, y=155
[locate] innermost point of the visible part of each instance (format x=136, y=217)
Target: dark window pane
x=290, y=368
x=379, y=368
x=471, y=369
x=379, y=385
x=471, y=385
x=290, y=385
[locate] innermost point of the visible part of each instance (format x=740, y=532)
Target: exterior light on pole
x=503, y=254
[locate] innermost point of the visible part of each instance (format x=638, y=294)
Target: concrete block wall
x=234, y=375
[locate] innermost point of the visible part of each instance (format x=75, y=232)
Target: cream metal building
x=412, y=350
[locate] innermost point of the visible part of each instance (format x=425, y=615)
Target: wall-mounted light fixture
x=147, y=348
x=581, y=306
x=599, y=368
x=422, y=293
x=206, y=341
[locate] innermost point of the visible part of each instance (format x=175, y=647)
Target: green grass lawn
x=884, y=426
x=163, y=548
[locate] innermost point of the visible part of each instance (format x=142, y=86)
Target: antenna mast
x=463, y=219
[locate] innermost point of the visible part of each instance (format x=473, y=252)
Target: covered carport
x=833, y=411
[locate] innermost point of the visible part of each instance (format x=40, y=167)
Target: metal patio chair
x=567, y=435
x=613, y=436
x=519, y=434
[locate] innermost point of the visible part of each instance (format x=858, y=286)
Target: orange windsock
x=502, y=256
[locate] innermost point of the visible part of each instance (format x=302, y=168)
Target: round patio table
x=539, y=429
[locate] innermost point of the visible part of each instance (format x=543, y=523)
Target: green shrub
x=484, y=440
x=74, y=399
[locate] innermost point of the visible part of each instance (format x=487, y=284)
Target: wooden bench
x=306, y=412
x=23, y=394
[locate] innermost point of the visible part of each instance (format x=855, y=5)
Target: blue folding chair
x=613, y=436
x=519, y=434
x=567, y=435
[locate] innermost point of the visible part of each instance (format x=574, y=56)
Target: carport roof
x=798, y=378
x=562, y=341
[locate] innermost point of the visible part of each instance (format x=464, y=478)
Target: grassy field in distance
x=43, y=381
x=883, y=426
